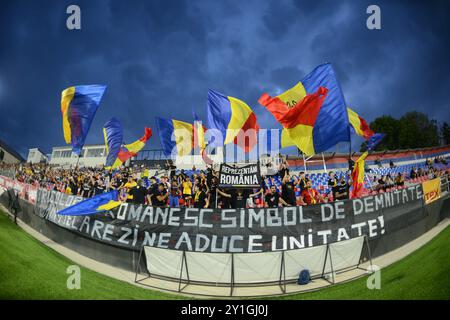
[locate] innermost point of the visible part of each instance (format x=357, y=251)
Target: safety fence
x=249, y=269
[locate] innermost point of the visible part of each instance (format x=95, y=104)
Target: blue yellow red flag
x=300, y=120
x=177, y=137
x=131, y=150
x=78, y=107
x=234, y=119
x=332, y=123
x=97, y=204
x=358, y=125
x=113, y=133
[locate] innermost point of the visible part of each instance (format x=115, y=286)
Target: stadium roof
x=11, y=151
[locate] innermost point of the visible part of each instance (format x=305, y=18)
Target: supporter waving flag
x=78, y=107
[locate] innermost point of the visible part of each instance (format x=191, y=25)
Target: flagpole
x=217, y=195
x=78, y=159
x=324, y=164
x=350, y=148
x=304, y=162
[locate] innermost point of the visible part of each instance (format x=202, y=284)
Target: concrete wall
x=9, y=158
x=36, y=156
x=86, y=160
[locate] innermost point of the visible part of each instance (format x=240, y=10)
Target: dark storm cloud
x=160, y=58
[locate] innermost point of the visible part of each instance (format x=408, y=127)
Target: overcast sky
x=159, y=58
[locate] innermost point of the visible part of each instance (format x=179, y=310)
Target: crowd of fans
x=175, y=188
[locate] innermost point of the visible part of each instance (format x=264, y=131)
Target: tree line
x=413, y=130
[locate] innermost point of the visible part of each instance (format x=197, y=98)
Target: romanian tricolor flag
x=78, y=107
x=331, y=125
x=298, y=121
x=100, y=203
x=131, y=150
x=177, y=137
x=113, y=133
x=233, y=118
x=358, y=176
x=359, y=125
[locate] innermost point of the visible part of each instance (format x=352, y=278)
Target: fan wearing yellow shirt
x=128, y=186
x=187, y=191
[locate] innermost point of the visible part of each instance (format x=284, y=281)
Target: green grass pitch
x=30, y=270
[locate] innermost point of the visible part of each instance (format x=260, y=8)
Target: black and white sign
x=248, y=176
x=239, y=230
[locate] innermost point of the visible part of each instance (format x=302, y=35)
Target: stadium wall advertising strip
x=236, y=230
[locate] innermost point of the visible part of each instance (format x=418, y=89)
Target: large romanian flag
x=233, y=118
x=358, y=176
x=298, y=121
x=177, y=137
x=78, y=107
x=331, y=125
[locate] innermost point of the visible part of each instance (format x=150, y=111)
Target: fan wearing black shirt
x=86, y=189
x=284, y=169
x=351, y=164
x=152, y=190
x=159, y=199
x=139, y=193
x=99, y=186
x=273, y=198
x=200, y=200
x=333, y=183
x=341, y=190
x=211, y=190
x=287, y=191
x=238, y=197
x=382, y=183
x=170, y=168
x=115, y=183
